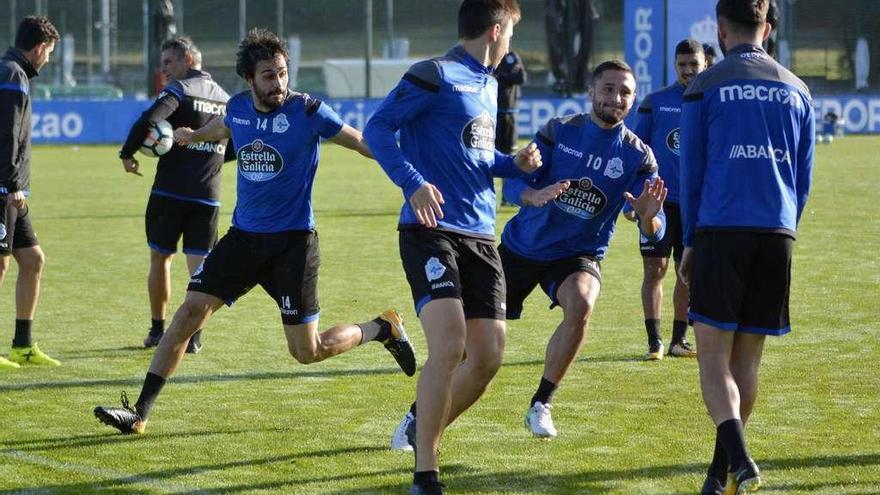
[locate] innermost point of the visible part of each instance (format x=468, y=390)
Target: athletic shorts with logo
x=524, y=274
x=168, y=219
x=671, y=243
x=16, y=231
x=740, y=281
x=441, y=264
x=285, y=264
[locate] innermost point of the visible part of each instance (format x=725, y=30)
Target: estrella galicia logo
x=434, y=269
x=582, y=199
x=672, y=141
x=258, y=161
x=479, y=135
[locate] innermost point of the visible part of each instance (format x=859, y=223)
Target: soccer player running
x=658, y=127
x=445, y=109
x=592, y=166
x=746, y=160
x=34, y=42
x=272, y=241
x=185, y=198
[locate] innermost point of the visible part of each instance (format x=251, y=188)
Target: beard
x=269, y=99
x=606, y=116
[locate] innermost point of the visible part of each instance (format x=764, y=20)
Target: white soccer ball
x=159, y=140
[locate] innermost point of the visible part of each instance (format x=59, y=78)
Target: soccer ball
x=159, y=140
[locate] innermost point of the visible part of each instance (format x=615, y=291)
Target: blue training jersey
x=601, y=164
x=658, y=127
x=445, y=109
x=277, y=159
x=747, y=142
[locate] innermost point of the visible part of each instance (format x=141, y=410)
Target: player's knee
x=448, y=356
x=304, y=356
x=655, y=269
x=578, y=312
x=32, y=264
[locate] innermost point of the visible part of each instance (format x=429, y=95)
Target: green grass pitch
x=244, y=417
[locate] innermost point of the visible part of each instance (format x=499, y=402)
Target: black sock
x=22, y=334
x=412, y=409
x=384, y=330
x=196, y=338
x=423, y=478
x=719, y=466
x=544, y=394
x=157, y=328
x=679, y=329
x=730, y=434
x=653, y=328
x=153, y=384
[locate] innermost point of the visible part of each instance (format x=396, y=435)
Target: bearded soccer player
x=272, y=241
x=747, y=146
x=445, y=109
x=185, y=198
x=658, y=127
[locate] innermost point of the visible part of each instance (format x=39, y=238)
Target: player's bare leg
x=652, y=302
x=308, y=346
x=159, y=290
x=484, y=351
x=679, y=346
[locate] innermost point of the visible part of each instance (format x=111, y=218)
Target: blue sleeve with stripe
x=693, y=163
x=804, y=170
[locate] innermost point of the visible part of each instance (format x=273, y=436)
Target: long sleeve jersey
x=191, y=172
x=600, y=164
x=659, y=127
x=510, y=74
x=15, y=122
x=747, y=142
x=445, y=109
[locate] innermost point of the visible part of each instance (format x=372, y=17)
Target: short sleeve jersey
x=277, y=156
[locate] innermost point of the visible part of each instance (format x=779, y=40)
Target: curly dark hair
x=34, y=30
x=259, y=44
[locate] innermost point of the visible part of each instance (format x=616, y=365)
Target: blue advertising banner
x=108, y=122
x=643, y=37
x=689, y=19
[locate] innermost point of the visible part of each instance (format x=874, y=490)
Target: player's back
x=747, y=136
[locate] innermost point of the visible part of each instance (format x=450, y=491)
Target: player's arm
x=215, y=130
x=412, y=96
x=525, y=162
x=12, y=100
x=804, y=167
x=692, y=166
x=352, y=139
x=525, y=191
x=165, y=105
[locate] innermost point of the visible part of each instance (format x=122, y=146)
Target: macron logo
x=570, y=151
x=465, y=88
x=236, y=120
x=750, y=92
x=669, y=109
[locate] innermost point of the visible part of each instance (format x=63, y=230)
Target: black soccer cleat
x=398, y=344
x=152, y=340
x=125, y=419
x=429, y=489
x=746, y=479
x=194, y=345
x=713, y=486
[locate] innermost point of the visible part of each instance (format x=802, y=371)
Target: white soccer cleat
x=539, y=422
x=400, y=440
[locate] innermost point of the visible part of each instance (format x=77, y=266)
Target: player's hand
x=648, y=204
x=540, y=197
x=684, y=266
x=426, y=203
x=528, y=159
x=183, y=135
x=131, y=166
x=18, y=199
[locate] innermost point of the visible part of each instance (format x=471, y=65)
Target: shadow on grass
x=77, y=441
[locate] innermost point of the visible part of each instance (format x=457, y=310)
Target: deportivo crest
x=2, y=231
x=258, y=161
x=614, y=168
x=582, y=199
x=672, y=142
x=479, y=134
x=280, y=124
x=434, y=269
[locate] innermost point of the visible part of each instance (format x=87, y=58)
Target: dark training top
x=15, y=122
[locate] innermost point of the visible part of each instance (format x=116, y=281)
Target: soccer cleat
x=6, y=364
x=429, y=489
x=194, y=345
x=746, y=479
x=398, y=344
x=152, y=340
x=125, y=419
x=401, y=439
x=539, y=422
x=655, y=351
x=682, y=349
x=713, y=486
x=31, y=355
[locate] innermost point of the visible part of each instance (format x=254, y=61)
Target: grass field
x=244, y=417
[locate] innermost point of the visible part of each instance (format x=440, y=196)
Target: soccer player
x=445, y=109
x=272, y=241
x=510, y=74
x=34, y=42
x=658, y=127
x=592, y=165
x=747, y=147
x=185, y=198
x=709, y=52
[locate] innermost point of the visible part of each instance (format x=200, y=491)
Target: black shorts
x=285, y=264
x=524, y=274
x=168, y=219
x=505, y=132
x=671, y=243
x=441, y=264
x=16, y=231
x=740, y=281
